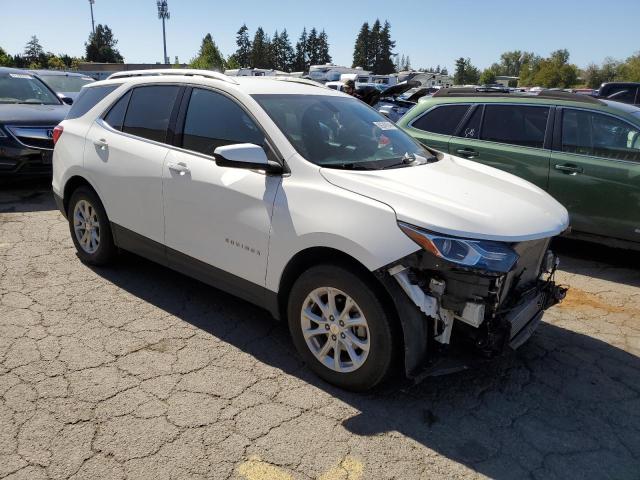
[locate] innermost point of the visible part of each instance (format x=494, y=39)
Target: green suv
x=583, y=151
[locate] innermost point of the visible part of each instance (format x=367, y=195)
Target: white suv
x=307, y=202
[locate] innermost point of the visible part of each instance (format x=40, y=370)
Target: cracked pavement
x=138, y=372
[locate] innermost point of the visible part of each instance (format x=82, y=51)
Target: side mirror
x=245, y=155
x=67, y=100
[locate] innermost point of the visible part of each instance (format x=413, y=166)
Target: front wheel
x=90, y=228
x=340, y=327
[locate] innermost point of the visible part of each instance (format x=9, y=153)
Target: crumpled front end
x=470, y=311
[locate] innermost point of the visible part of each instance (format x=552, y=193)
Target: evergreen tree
x=400, y=63
x=407, y=64
x=374, y=46
x=209, y=56
x=101, y=46
x=384, y=64
x=243, y=53
x=313, y=47
x=5, y=59
x=361, y=49
x=33, y=52
x=323, y=48
x=302, y=55
x=288, y=55
x=459, y=76
x=278, y=59
x=260, y=54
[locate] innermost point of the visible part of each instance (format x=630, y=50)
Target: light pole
x=93, y=25
x=163, y=14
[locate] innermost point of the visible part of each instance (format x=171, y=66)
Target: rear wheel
x=340, y=327
x=90, y=228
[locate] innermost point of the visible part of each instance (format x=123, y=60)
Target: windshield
x=64, y=83
x=25, y=88
x=341, y=132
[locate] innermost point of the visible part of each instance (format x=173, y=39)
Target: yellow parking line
x=255, y=469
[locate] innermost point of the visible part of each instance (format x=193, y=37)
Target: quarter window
x=149, y=111
x=590, y=133
x=115, y=117
x=89, y=98
x=442, y=120
x=214, y=120
x=515, y=124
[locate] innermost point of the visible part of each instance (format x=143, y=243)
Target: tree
x=243, y=53
x=323, y=48
x=101, y=46
x=374, y=45
x=33, y=51
x=209, y=56
x=313, y=47
x=288, y=55
x=488, y=76
x=384, y=64
x=361, y=49
x=407, y=64
x=260, y=53
x=55, y=63
x=466, y=73
x=232, y=62
x=630, y=69
x=302, y=55
x=5, y=59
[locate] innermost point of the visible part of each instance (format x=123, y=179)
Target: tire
x=309, y=306
x=98, y=247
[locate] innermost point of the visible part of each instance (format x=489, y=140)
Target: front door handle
x=467, y=152
x=569, y=169
x=101, y=144
x=180, y=168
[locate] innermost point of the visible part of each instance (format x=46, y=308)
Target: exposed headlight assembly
x=481, y=254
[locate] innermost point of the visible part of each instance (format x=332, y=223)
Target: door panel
x=128, y=173
x=596, y=175
x=220, y=216
x=601, y=195
x=532, y=164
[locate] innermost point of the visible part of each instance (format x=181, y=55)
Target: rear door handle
x=569, y=169
x=180, y=168
x=101, y=144
x=467, y=152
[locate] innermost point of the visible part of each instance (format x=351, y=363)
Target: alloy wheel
x=86, y=226
x=335, y=329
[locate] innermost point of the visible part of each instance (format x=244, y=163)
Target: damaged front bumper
x=452, y=316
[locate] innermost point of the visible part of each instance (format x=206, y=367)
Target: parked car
x=625, y=92
x=583, y=151
x=377, y=248
x=66, y=84
x=29, y=111
x=393, y=103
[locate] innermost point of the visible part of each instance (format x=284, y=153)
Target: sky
x=430, y=32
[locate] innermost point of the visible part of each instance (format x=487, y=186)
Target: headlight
x=481, y=254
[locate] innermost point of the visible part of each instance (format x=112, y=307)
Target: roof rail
x=543, y=94
x=304, y=81
x=183, y=72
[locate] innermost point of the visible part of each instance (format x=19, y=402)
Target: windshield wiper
x=411, y=160
x=348, y=166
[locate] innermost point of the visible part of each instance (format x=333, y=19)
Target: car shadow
x=566, y=405
x=606, y=263
x=26, y=195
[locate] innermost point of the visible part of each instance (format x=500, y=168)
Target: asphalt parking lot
x=138, y=372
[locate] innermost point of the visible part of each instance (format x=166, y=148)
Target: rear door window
x=443, y=119
x=594, y=134
x=214, y=120
x=623, y=94
x=149, y=111
x=89, y=98
x=515, y=124
x=472, y=128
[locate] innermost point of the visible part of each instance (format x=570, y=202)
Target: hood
x=400, y=88
x=459, y=197
x=22, y=114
